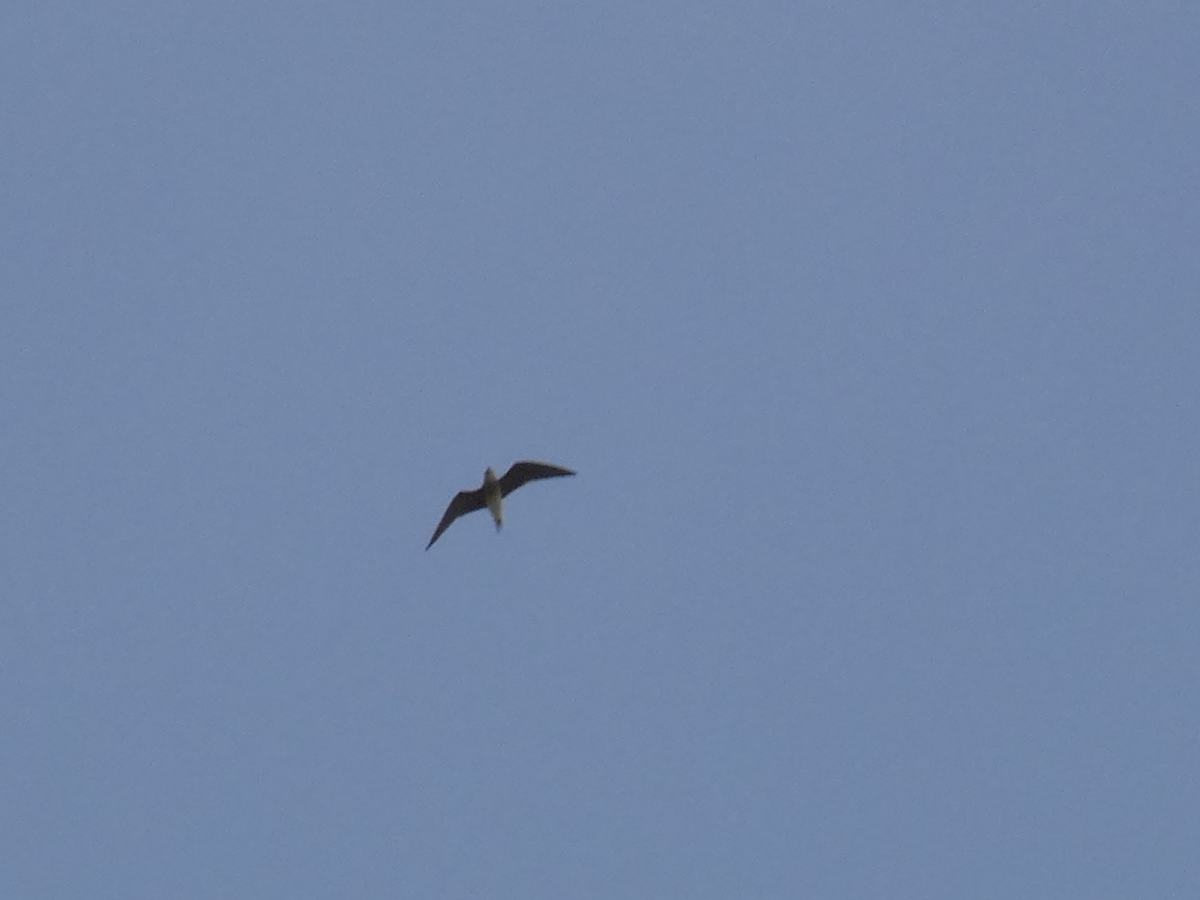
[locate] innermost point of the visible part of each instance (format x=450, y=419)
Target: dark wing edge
x=463, y=503
x=521, y=472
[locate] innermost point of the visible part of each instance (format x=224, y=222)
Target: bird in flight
x=493, y=491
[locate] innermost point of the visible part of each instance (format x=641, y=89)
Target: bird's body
x=492, y=492
x=493, y=497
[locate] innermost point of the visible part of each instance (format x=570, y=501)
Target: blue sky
x=870, y=328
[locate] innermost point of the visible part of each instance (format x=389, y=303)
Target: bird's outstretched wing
x=521, y=472
x=463, y=503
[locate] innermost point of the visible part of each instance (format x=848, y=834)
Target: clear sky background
x=873, y=332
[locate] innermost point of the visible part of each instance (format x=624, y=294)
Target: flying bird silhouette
x=493, y=491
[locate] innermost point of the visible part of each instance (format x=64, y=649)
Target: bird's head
x=489, y=476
